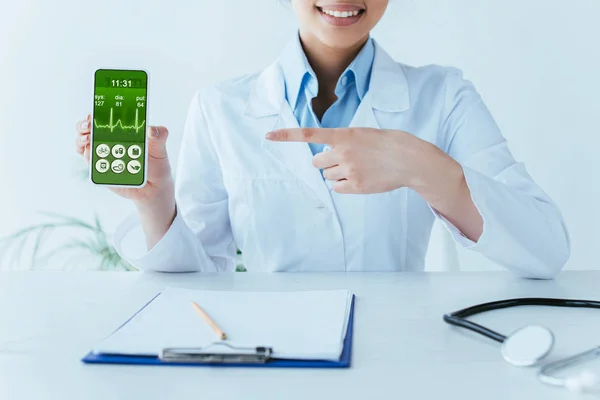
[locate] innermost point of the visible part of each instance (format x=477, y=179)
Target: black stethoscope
x=527, y=346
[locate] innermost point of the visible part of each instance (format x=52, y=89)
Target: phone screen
x=118, y=147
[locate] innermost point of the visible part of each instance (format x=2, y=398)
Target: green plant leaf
x=23, y=232
x=68, y=264
x=19, y=250
x=98, y=224
x=97, y=245
x=42, y=233
x=69, y=221
x=74, y=244
x=103, y=264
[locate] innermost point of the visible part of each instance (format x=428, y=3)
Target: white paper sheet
x=309, y=325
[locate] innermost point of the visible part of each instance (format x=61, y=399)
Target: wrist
x=440, y=178
x=154, y=203
x=156, y=206
x=159, y=207
x=156, y=217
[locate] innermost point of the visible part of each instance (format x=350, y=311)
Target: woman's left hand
x=367, y=160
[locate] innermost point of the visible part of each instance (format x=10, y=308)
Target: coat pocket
x=283, y=227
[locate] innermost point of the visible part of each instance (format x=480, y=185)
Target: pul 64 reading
x=118, y=146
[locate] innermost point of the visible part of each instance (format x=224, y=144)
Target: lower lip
x=331, y=20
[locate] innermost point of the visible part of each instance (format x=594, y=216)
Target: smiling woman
x=375, y=152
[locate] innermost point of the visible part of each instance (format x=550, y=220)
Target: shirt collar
x=297, y=72
x=360, y=69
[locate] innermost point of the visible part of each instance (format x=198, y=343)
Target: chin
x=341, y=40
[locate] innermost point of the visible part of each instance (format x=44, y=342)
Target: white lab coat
x=236, y=189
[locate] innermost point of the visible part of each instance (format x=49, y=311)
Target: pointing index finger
x=308, y=135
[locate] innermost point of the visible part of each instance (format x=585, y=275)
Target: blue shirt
x=301, y=86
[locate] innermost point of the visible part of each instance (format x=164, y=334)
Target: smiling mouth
x=341, y=11
x=341, y=15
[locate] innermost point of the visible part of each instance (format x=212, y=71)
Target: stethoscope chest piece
x=528, y=345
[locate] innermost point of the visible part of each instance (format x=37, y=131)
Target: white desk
x=402, y=348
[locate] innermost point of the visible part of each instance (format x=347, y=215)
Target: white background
x=536, y=63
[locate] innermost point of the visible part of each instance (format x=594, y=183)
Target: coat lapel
x=268, y=105
x=365, y=116
x=297, y=156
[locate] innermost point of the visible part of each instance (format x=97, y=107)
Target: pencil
x=209, y=321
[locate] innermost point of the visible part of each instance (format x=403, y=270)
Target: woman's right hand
x=156, y=200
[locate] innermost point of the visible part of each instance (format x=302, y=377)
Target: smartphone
x=118, y=143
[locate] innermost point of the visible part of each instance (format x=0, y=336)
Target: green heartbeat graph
x=112, y=126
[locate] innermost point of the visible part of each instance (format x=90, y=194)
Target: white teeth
x=341, y=14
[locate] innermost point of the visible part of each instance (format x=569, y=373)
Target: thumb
x=157, y=143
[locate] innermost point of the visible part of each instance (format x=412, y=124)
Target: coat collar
x=299, y=75
x=388, y=87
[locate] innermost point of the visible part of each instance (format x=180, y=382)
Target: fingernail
x=154, y=132
x=85, y=125
x=270, y=135
x=85, y=138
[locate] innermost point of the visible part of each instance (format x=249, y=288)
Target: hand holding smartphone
x=126, y=154
x=119, y=143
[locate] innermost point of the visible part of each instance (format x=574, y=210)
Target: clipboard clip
x=226, y=354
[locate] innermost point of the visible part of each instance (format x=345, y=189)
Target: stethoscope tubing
x=457, y=318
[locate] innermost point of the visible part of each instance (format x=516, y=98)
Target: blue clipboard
x=343, y=362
